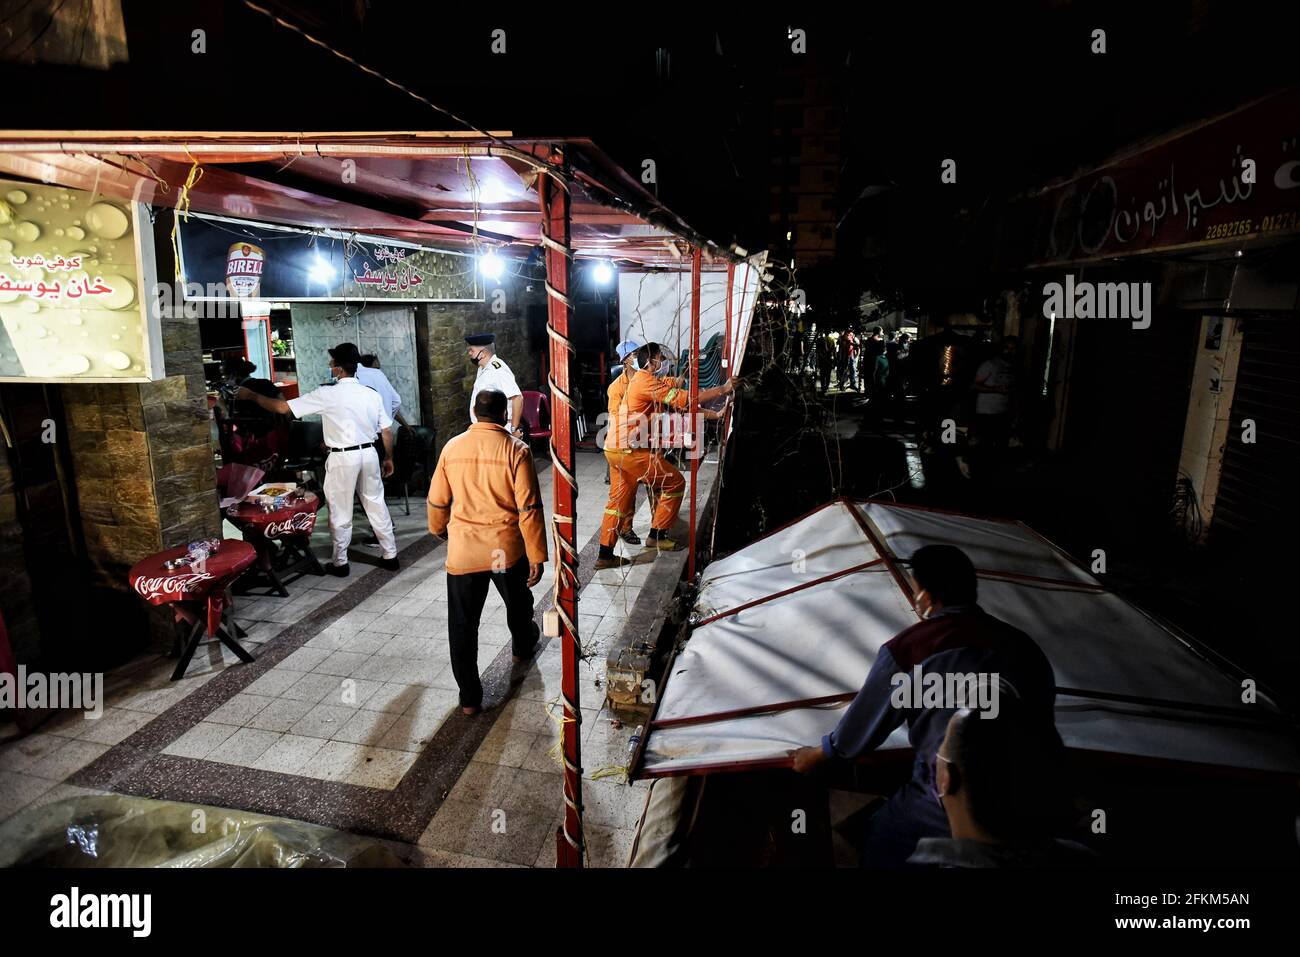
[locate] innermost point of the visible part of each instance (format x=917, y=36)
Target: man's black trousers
x=465, y=597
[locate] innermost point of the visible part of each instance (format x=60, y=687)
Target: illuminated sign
x=70, y=282
x=286, y=264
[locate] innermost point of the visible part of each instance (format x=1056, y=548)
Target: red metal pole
x=728, y=372
x=559, y=260
x=695, y=417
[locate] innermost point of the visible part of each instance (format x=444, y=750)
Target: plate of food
x=271, y=493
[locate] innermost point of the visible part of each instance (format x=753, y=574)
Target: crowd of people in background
x=966, y=388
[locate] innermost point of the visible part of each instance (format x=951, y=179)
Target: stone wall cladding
x=450, y=377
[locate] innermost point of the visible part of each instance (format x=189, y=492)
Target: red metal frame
x=884, y=552
x=789, y=591
x=689, y=719
x=555, y=212
x=888, y=558
x=697, y=440
x=727, y=354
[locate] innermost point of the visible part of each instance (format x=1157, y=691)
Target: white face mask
x=632, y=363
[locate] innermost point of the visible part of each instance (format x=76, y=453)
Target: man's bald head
x=490, y=406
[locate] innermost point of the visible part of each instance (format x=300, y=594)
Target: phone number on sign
x=1242, y=227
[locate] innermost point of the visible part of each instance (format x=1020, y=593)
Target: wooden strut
x=553, y=195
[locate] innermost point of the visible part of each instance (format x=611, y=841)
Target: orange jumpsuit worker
x=484, y=497
x=627, y=447
x=614, y=393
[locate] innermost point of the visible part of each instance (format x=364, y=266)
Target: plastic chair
x=537, y=416
x=412, y=450
x=304, y=453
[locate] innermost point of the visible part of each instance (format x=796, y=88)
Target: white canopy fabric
x=656, y=306
x=789, y=626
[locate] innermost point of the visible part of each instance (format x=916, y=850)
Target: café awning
x=440, y=189
x=788, y=627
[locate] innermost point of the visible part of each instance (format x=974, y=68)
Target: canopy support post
x=553, y=195
x=696, y=417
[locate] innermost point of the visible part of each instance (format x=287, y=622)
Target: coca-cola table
x=282, y=539
x=199, y=594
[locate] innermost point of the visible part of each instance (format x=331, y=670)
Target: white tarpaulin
x=800, y=614
x=656, y=307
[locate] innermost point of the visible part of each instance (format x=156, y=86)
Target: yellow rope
x=183, y=209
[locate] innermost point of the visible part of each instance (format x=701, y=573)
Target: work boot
x=607, y=559
x=630, y=536
x=662, y=543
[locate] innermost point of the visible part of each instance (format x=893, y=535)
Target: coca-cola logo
x=170, y=584
x=300, y=523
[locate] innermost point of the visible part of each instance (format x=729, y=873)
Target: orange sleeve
x=528, y=499
x=668, y=392
x=439, y=501
x=615, y=393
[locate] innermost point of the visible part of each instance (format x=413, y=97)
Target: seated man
x=1000, y=789
x=955, y=638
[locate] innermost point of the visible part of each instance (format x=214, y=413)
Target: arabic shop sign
x=71, y=268
x=229, y=258
x=1193, y=190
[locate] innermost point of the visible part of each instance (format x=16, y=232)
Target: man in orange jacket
x=632, y=459
x=484, y=497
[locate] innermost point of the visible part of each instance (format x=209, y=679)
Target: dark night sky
x=1013, y=93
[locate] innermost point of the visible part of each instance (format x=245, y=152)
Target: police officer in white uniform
x=493, y=373
x=352, y=416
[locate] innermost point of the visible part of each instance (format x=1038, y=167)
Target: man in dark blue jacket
x=957, y=646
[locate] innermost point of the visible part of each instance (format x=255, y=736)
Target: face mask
x=938, y=794
x=633, y=364
x=473, y=360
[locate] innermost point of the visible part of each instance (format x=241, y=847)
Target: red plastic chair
x=537, y=416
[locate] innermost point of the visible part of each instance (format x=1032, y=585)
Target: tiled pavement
x=359, y=703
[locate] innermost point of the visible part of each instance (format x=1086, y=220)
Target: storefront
x=1149, y=283
x=248, y=247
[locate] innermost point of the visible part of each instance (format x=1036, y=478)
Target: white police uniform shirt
x=351, y=415
x=375, y=379
x=495, y=375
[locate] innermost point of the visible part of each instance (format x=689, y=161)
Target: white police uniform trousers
x=356, y=472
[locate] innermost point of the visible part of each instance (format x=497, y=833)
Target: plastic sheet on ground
x=114, y=830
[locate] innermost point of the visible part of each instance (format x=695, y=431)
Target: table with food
x=277, y=519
